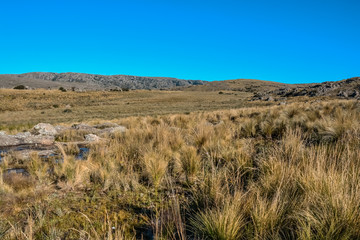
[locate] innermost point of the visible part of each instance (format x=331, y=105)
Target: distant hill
x=95, y=81
x=348, y=88
x=92, y=81
x=265, y=90
x=242, y=85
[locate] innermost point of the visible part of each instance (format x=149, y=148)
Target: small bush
x=20, y=87
x=62, y=89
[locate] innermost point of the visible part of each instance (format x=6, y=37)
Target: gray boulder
x=39, y=139
x=26, y=154
x=8, y=140
x=44, y=129
x=25, y=138
x=92, y=138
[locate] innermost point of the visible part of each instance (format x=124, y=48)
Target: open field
x=29, y=107
x=273, y=172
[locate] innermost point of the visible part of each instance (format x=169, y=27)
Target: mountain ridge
x=93, y=81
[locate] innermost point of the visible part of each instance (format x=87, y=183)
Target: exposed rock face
x=25, y=138
x=8, y=140
x=111, y=81
x=44, y=129
x=26, y=154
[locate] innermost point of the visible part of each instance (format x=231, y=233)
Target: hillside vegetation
x=279, y=172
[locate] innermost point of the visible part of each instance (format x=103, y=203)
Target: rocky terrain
x=92, y=81
x=348, y=88
x=44, y=139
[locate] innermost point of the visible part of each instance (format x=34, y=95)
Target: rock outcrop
x=44, y=129
x=41, y=139
x=92, y=138
x=349, y=88
x=25, y=138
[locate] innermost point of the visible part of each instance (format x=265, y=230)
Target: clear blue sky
x=287, y=41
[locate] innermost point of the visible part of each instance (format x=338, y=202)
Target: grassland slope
x=242, y=85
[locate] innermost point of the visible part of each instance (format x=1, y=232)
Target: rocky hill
x=92, y=81
x=348, y=88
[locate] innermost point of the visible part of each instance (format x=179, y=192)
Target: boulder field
x=41, y=139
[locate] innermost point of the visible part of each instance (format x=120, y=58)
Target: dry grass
x=243, y=85
x=28, y=107
x=278, y=172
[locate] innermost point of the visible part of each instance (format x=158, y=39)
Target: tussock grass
x=278, y=172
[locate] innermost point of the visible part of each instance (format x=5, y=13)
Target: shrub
x=62, y=89
x=20, y=87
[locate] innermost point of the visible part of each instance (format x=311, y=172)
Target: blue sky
x=286, y=41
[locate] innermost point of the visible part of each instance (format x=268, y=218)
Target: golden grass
x=278, y=172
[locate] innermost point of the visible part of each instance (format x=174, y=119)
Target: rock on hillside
x=110, y=81
x=349, y=88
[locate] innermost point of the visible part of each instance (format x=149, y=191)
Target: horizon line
x=176, y=77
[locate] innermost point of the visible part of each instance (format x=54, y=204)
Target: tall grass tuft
x=223, y=223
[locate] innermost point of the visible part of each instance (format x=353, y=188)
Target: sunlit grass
x=279, y=172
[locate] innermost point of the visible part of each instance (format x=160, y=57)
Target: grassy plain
x=29, y=107
x=272, y=172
